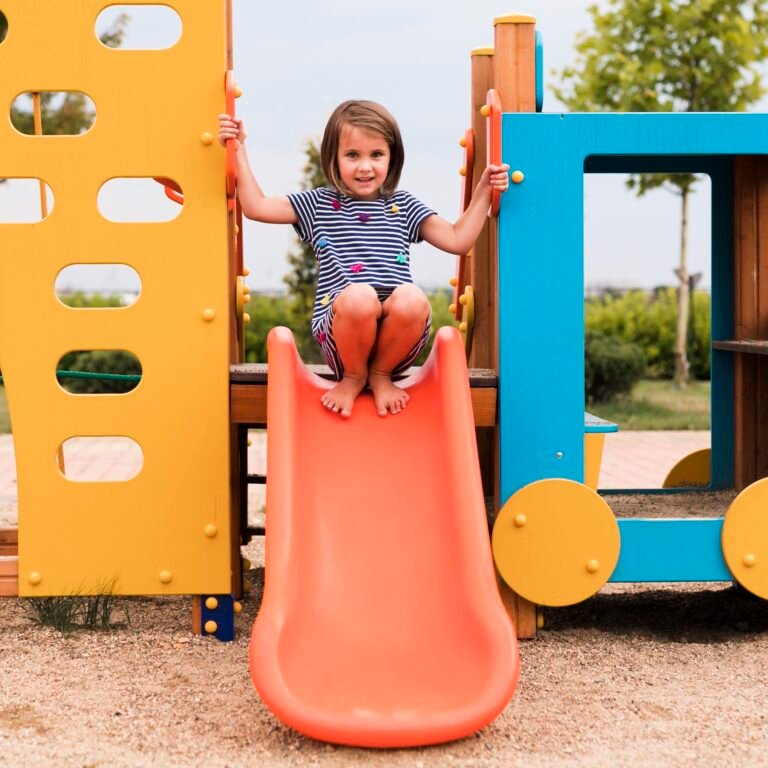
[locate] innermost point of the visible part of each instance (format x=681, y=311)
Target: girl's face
x=363, y=161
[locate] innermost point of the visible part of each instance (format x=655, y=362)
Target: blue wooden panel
x=671, y=550
x=539, y=71
x=541, y=310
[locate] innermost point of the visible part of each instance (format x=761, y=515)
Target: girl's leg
x=356, y=312
x=404, y=315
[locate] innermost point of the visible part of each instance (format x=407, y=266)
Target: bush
x=611, y=367
x=649, y=322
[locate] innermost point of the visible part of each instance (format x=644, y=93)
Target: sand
x=639, y=675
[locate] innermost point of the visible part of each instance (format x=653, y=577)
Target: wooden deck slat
x=256, y=373
x=9, y=541
x=9, y=576
x=248, y=404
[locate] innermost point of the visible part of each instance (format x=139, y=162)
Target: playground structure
x=177, y=528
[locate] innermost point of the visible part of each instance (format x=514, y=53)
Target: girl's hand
x=231, y=128
x=494, y=177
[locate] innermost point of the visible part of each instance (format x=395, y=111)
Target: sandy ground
x=637, y=676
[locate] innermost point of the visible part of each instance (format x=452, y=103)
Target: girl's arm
x=253, y=202
x=459, y=237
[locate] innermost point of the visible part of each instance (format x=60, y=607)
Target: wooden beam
x=248, y=405
x=9, y=542
x=9, y=576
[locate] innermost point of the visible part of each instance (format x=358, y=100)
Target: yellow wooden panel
x=151, y=109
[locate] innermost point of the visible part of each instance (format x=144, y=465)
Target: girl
x=369, y=318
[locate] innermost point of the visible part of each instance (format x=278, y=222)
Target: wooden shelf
x=747, y=346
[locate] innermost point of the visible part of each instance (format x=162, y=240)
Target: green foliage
x=611, y=367
x=80, y=300
x=97, y=361
x=266, y=312
x=5, y=420
x=668, y=56
x=441, y=315
x=302, y=280
x=68, y=613
x=649, y=322
x=661, y=405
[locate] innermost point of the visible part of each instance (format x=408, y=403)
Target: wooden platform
x=248, y=393
x=9, y=562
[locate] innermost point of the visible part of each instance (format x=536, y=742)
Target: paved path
x=630, y=460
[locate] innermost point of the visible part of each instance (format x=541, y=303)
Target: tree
x=670, y=56
x=302, y=280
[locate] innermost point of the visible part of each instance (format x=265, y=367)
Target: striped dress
x=357, y=241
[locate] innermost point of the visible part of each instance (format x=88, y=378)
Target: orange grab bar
x=172, y=189
x=494, y=143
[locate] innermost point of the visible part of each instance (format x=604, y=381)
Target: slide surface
x=381, y=623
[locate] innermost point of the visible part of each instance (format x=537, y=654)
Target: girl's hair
x=372, y=118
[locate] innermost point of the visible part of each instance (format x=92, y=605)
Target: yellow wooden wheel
x=745, y=538
x=695, y=470
x=555, y=542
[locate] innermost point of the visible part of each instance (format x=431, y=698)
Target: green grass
x=659, y=405
x=5, y=422
x=68, y=613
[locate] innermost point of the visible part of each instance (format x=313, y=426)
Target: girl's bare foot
x=342, y=397
x=387, y=396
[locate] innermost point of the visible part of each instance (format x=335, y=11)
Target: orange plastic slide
x=381, y=623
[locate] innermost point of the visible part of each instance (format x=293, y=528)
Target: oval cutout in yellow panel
x=139, y=200
x=130, y=27
x=3, y=27
x=103, y=459
x=98, y=372
x=22, y=202
x=63, y=113
x=97, y=286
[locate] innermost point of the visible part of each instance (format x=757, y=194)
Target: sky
x=413, y=57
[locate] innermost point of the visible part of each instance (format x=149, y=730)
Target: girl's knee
x=357, y=302
x=409, y=303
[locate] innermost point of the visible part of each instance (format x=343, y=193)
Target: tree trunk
x=683, y=299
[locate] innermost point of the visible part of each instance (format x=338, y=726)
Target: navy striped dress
x=357, y=241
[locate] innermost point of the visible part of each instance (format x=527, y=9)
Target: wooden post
x=514, y=78
x=750, y=318
x=483, y=268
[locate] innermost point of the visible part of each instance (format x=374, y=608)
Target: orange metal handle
x=229, y=97
x=494, y=143
x=172, y=189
